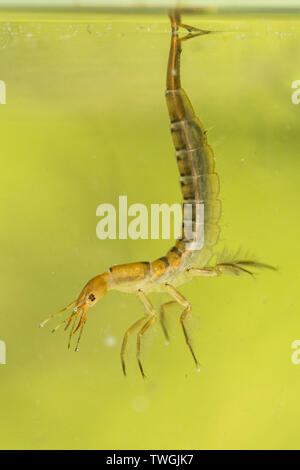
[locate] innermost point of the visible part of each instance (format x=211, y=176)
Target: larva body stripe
x=195, y=159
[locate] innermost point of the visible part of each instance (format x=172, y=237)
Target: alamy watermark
x=2, y=352
x=295, y=358
x=296, y=94
x=2, y=92
x=114, y=223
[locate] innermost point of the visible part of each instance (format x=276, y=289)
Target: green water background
x=85, y=122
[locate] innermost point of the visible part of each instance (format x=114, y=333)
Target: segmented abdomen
x=199, y=182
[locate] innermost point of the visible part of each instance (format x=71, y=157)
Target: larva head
x=93, y=291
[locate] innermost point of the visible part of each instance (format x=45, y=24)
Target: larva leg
x=162, y=317
x=236, y=268
x=151, y=319
x=138, y=323
x=187, y=308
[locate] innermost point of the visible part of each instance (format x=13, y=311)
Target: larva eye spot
x=92, y=297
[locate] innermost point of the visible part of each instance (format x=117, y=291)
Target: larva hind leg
x=152, y=317
x=181, y=300
x=236, y=268
x=162, y=317
x=130, y=330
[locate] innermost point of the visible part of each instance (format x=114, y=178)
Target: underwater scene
x=85, y=122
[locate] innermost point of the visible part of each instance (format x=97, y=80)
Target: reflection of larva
x=199, y=185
